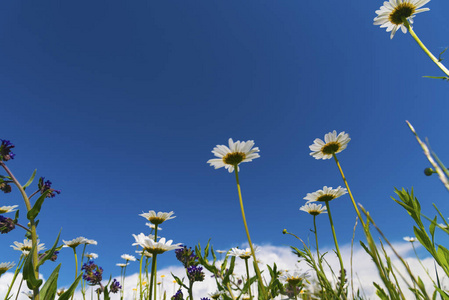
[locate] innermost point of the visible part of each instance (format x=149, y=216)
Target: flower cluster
x=5, y=150
x=195, y=273
x=6, y=224
x=178, y=296
x=115, y=286
x=93, y=274
x=5, y=187
x=186, y=256
x=46, y=186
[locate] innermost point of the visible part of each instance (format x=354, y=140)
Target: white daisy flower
x=29, y=294
x=326, y=194
x=5, y=266
x=145, y=253
x=90, y=242
x=153, y=247
x=216, y=295
x=26, y=246
x=409, y=239
x=242, y=253
x=75, y=242
x=152, y=226
x=158, y=218
x=393, y=13
x=60, y=291
x=232, y=156
x=122, y=265
x=293, y=279
x=128, y=257
x=332, y=144
x=7, y=209
x=314, y=209
x=91, y=255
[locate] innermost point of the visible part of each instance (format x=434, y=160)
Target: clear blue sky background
x=119, y=103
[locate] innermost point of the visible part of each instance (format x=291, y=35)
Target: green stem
x=18, y=290
x=259, y=276
x=155, y=267
x=349, y=190
x=153, y=271
x=342, y=268
x=140, y=274
x=18, y=268
x=424, y=48
x=32, y=225
x=249, y=278
x=316, y=240
x=76, y=265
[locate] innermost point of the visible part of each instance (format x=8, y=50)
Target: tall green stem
x=155, y=267
x=256, y=267
x=316, y=240
x=248, y=278
x=349, y=190
x=140, y=274
x=342, y=268
x=153, y=271
x=32, y=225
x=424, y=48
x=18, y=268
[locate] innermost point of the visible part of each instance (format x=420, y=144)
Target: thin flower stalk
x=32, y=225
x=16, y=272
x=342, y=268
x=424, y=48
x=316, y=241
x=349, y=190
x=259, y=276
x=248, y=278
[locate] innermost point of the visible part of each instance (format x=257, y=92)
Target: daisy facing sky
x=326, y=194
x=392, y=14
x=232, y=156
x=331, y=145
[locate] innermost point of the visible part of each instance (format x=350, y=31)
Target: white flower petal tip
x=237, y=153
x=331, y=145
x=392, y=14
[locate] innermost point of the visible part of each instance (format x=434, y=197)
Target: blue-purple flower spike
x=45, y=186
x=5, y=150
x=115, y=286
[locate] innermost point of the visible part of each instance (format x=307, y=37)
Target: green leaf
x=48, y=291
x=423, y=238
x=437, y=77
x=50, y=252
x=28, y=271
x=432, y=226
x=32, y=213
x=67, y=294
x=443, y=255
x=30, y=180
x=179, y=281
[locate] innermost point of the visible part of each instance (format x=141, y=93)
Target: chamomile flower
x=148, y=244
x=314, y=209
x=122, y=265
x=293, y=279
x=26, y=246
x=75, y=242
x=392, y=14
x=332, y=144
x=5, y=266
x=326, y=194
x=128, y=257
x=158, y=218
x=91, y=255
x=7, y=209
x=242, y=253
x=232, y=156
x=409, y=239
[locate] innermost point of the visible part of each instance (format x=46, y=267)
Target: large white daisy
x=393, y=13
x=242, y=253
x=158, y=218
x=232, y=156
x=148, y=244
x=293, y=279
x=26, y=246
x=332, y=144
x=75, y=242
x=326, y=194
x=5, y=266
x=128, y=257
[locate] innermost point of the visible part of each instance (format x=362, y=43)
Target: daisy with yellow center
x=326, y=194
x=157, y=218
x=331, y=145
x=230, y=157
x=7, y=209
x=5, y=266
x=313, y=209
x=394, y=12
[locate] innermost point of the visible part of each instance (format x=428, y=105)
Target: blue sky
x=119, y=104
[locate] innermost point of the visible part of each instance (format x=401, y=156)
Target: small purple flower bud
x=5, y=188
x=195, y=273
x=92, y=273
x=5, y=150
x=115, y=286
x=178, y=296
x=45, y=186
x=6, y=224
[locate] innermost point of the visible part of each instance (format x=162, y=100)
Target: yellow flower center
x=234, y=158
x=314, y=212
x=156, y=220
x=403, y=10
x=330, y=148
x=294, y=281
x=325, y=198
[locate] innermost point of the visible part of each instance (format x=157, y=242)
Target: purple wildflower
x=186, y=256
x=93, y=274
x=115, y=286
x=6, y=224
x=45, y=186
x=178, y=296
x=195, y=273
x=5, y=150
x=5, y=187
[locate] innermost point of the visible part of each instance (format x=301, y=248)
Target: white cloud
x=364, y=271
